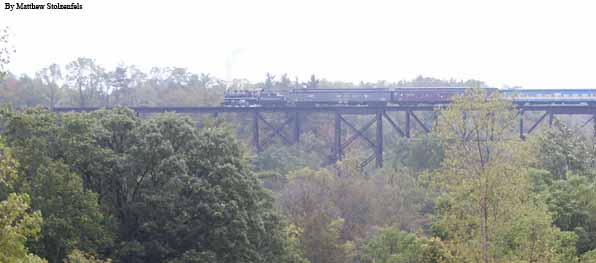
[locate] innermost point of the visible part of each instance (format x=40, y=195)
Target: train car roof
x=340, y=89
x=548, y=90
x=377, y=89
x=429, y=88
x=436, y=87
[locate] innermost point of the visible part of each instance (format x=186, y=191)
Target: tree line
x=84, y=83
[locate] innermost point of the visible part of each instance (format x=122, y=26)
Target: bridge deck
x=555, y=109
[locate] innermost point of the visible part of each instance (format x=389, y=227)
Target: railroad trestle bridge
x=264, y=131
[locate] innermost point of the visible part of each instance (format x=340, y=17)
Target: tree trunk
x=81, y=97
x=484, y=228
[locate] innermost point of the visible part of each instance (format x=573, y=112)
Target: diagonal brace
x=367, y=161
x=393, y=124
x=372, y=144
x=277, y=131
x=538, y=122
x=358, y=133
x=419, y=122
x=586, y=123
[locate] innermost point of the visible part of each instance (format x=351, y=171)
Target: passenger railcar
x=550, y=96
x=314, y=96
x=402, y=96
x=430, y=95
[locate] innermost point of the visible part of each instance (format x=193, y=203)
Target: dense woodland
x=112, y=186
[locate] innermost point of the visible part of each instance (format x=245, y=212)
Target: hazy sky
x=534, y=44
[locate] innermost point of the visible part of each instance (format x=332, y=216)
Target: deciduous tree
x=18, y=223
x=488, y=211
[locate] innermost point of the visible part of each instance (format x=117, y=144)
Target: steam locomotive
x=401, y=96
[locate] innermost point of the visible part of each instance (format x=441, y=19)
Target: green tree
x=51, y=78
x=77, y=256
x=567, y=183
x=88, y=82
x=285, y=83
x=322, y=202
x=424, y=152
x=174, y=192
x=18, y=223
x=312, y=83
x=560, y=150
x=269, y=82
x=120, y=83
x=390, y=245
x=283, y=158
x=588, y=257
x=488, y=211
x=295, y=252
x=309, y=203
x=73, y=217
x=573, y=205
x=16, y=226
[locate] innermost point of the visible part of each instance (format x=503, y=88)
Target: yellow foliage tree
x=17, y=222
x=488, y=212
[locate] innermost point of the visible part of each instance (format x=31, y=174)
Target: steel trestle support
x=275, y=131
x=295, y=117
x=377, y=145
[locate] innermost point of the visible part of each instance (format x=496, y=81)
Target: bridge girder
x=296, y=115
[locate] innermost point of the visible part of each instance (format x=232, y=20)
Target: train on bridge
x=398, y=96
